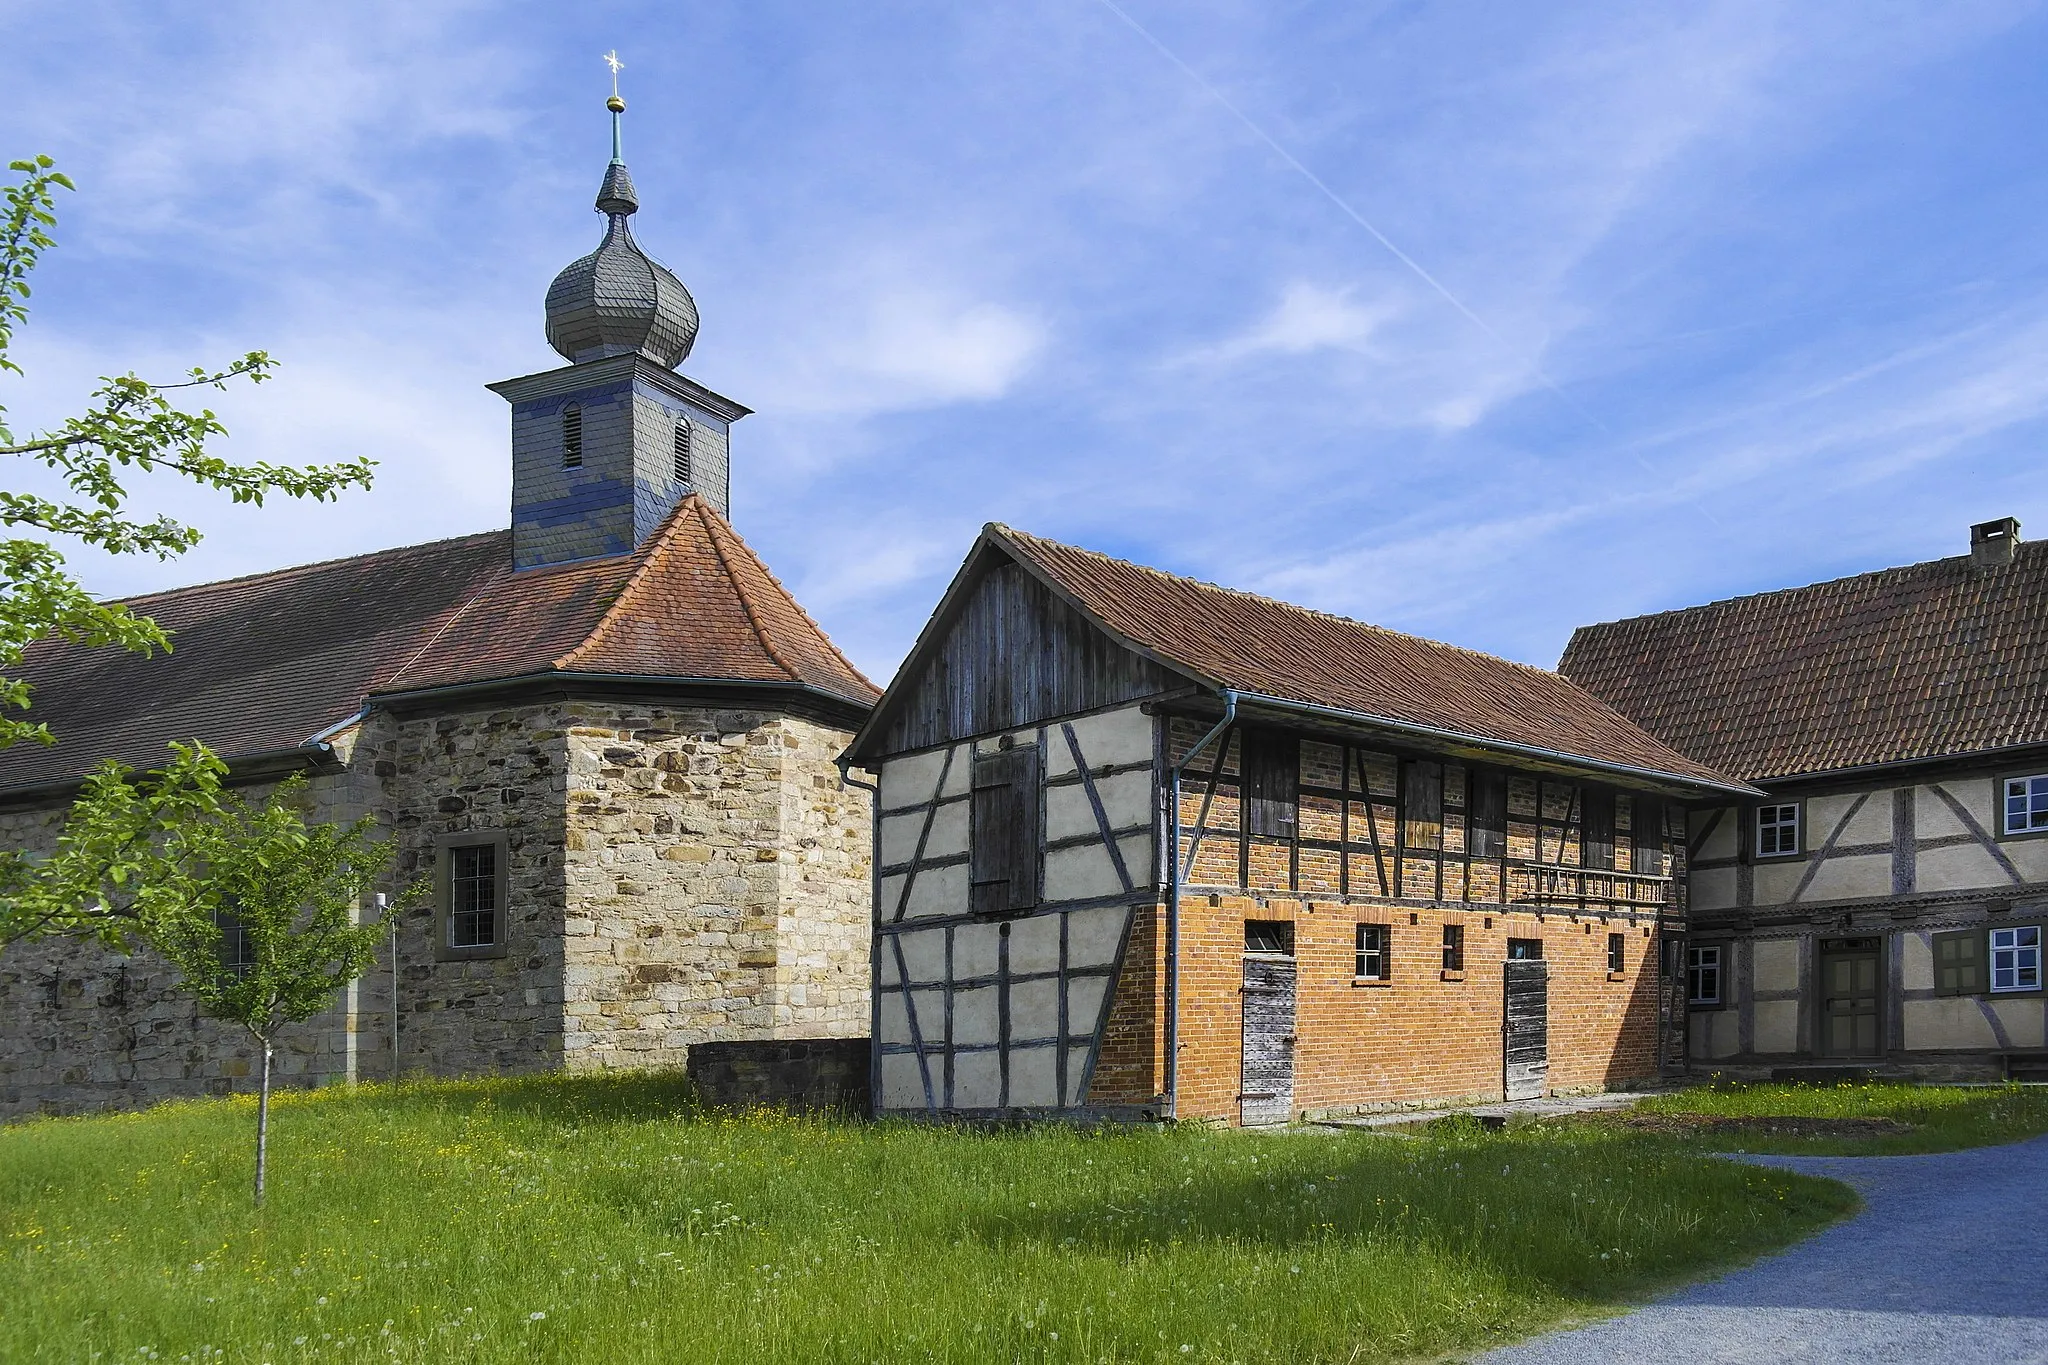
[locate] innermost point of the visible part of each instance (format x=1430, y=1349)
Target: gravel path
x=1947, y=1262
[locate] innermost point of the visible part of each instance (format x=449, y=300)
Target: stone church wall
x=675, y=875
x=717, y=884
x=486, y=770
x=84, y=1028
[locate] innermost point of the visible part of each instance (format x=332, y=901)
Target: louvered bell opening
x=572, y=437
x=684, y=437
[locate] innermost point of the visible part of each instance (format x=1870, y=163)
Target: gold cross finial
x=611, y=59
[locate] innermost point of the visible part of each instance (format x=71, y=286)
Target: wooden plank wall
x=1013, y=655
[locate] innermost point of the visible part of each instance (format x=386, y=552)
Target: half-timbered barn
x=1149, y=847
x=1882, y=903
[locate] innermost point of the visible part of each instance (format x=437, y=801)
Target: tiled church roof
x=1255, y=644
x=1925, y=661
x=264, y=663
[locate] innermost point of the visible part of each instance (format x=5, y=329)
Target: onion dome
x=618, y=300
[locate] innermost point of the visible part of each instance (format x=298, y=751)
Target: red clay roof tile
x=1925, y=661
x=263, y=663
x=1255, y=644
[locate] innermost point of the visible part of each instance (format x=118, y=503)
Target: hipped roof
x=264, y=664
x=1226, y=640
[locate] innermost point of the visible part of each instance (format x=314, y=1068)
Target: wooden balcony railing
x=1584, y=888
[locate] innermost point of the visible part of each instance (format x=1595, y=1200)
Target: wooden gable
x=1004, y=651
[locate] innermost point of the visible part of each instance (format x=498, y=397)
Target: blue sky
x=1732, y=297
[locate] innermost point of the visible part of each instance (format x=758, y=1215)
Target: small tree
x=129, y=425
x=263, y=914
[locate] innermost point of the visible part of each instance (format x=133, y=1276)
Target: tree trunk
x=263, y=1122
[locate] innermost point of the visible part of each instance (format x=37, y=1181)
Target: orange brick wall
x=1131, y=1066
x=1415, y=1039
x=1418, y=1037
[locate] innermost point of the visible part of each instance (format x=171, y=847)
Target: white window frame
x=1696, y=962
x=1380, y=958
x=1777, y=825
x=2016, y=960
x=2031, y=791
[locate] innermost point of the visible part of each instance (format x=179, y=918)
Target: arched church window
x=572, y=437
x=685, y=435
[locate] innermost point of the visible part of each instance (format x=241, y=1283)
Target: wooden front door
x=1266, y=1094
x=1525, y=1031
x=1849, y=997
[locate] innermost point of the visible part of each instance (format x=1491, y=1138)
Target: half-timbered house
x=1882, y=903
x=1149, y=847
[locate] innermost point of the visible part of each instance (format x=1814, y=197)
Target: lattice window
x=1617, y=952
x=473, y=896
x=1454, y=947
x=237, y=948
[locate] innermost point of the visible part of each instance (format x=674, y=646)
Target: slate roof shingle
x=1925, y=661
x=264, y=663
x=1248, y=643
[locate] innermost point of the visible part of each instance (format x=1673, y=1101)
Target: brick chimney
x=1993, y=543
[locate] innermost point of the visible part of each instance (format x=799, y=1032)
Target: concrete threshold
x=1551, y=1106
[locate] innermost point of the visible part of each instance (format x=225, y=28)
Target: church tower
x=604, y=447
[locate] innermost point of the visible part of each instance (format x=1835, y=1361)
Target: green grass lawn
x=602, y=1220
x=1922, y=1118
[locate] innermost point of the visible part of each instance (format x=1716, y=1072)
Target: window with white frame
x=1374, y=962
x=1777, y=829
x=2026, y=804
x=1703, y=974
x=2016, y=958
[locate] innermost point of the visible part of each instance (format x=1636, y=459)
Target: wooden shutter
x=1959, y=963
x=1272, y=782
x=1597, y=847
x=1004, y=856
x=1422, y=805
x=1648, y=834
x=1488, y=813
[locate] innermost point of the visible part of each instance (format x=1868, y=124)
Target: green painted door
x=1849, y=998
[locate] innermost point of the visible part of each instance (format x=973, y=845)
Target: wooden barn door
x=1266, y=1094
x=1526, y=1030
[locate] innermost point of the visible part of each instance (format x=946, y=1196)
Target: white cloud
x=1308, y=317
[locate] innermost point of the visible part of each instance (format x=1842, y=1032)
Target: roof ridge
x=2023, y=548
x=1282, y=603
x=291, y=569
x=791, y=598
x=746, y=602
